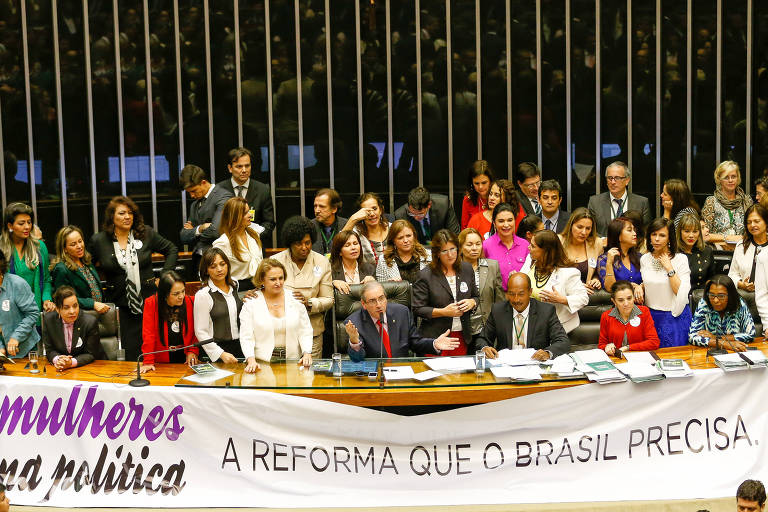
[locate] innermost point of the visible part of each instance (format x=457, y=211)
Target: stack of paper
x=392, y=373
x=731, y=362
x=640, y=372
x=451, y=364
x=639, y=357
x=517, y=373
x=564, y=366
x=674, y=368
x=519, y=357
x=756, y=357
x=597, y=366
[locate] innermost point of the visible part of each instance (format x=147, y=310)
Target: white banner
x=72, y=444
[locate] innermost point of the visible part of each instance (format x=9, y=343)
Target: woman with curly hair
x=403, y=256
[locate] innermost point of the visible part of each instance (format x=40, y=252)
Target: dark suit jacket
x=259, y=198
x=490, y=290
x=441, y=215
x=544, y=329
x=203, y=211
x=363, y=268
x=403, y=334
x=320, y=246
x=525, y=202
x=562, y=220
x=86, y=344
x=601, y=205
x=432, y=291
x=62, y=276
x=103, y=251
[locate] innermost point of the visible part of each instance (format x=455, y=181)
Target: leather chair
x=109, y=328
x=586, y=335
x=346, y=304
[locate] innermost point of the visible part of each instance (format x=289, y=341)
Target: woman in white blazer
x=274, y=323
x=555, y=279
x=761, y=288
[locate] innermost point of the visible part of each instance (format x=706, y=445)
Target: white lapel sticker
x=317, y=270
x=6, y=305
x=463, y=288
x=79, y=342
x=138, y=244
x=635, y=322
x=592, y=263
x=175, y=326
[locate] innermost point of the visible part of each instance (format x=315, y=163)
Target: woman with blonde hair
x=691, y=243
x=582, y=246
x=724, y=211
x=73, y=267
x=240, y=241
x=403, y=256
x=274, y=324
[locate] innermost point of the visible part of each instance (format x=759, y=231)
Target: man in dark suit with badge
x=380, y=329
x=71, y=338
x=256, y=194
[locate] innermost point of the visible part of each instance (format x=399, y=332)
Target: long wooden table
x=288, y=378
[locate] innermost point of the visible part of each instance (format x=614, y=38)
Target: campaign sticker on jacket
x=79, y=342
x=463, y=288
x=138, y=244
x=175, y=326
x=635, y=322
x=6, y=305
x=592, y=262
x=317, y=270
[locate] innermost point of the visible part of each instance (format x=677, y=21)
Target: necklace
x=541, y=281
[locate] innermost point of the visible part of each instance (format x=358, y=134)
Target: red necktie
x=384, y=338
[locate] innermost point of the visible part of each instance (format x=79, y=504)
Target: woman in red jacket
x=627, y=326
x=168, y=322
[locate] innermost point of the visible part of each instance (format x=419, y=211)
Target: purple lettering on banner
x=26, y=414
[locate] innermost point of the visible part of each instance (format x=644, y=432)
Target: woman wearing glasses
x=722, y=319
x=724, y=211
x=446, y=294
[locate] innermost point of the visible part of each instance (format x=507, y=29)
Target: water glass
x=336, y=365
x=33, y=362
x=480, y=362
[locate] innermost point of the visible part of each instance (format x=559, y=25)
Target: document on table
x=398, y=373
x=564, y=366
x=522, y=373
x=639, y=357
x=205, y=378
x=426, y=375
x=451, y=364
x=756, y=357
x=584, y=357
x=517, y=357
x=640, y=372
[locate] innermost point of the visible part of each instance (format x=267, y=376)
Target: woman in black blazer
x=347, y=265
x=124, y=250
x=446, y=294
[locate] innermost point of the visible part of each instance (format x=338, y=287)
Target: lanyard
x=327, y=240
x=519, y=332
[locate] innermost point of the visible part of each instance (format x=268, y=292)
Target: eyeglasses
x=377, y=300
x=729, y=178
x=446, y=252
x=615, y=178
x=531, y=186
x=717, y=296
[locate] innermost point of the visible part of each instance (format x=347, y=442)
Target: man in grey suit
x=550, y=199
x=524, y=321
x=202, y=226
x=612, y=204
x=428, y=214
x=256, y=194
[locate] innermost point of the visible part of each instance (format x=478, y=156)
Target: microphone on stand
x=381, y=354
x=140, y=382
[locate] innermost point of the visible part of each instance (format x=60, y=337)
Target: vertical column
x=59, y=112
x=628, y=30
x=539, y=141
x=270, y=112
x=329, y=90
x=238, y=81
x=449, y=93
x=28, y=96
x=658, y=104
x=598, y=105
x=299, y=105
x=479, y=82
x=719, y=84
x=508, y=41
x=209, y=87
x=361, y=161
x=568, y=138
x=179, y=102
x=119, y=88
x=419, y=106
x=750, y=49
x=89, y=100
x=390, y=152
x=150, y=119
x=689, y=92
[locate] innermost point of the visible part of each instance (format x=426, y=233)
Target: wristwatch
x=671, y=273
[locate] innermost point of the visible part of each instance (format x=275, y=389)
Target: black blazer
x=86, y=344
x=525, y=203
x=544, y=330
x=259, y=198
x=202, y=212
x=363, y=268
x=402, y=334
x=103, y=251
x=432, y=291
x=441, y=216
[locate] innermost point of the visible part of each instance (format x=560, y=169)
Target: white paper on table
x=517, y=372
x=639, y=357
x=756, y=356
x=398, y=373
x=426, y=375
x=641, y=370
x=731, y=357
x=451, y=364
x=685, y=371
x=517, y=357
x=205, y=378
x=562, y=364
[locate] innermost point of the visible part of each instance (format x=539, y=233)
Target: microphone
x=139, y=382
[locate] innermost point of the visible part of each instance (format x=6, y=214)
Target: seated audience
x=479, y=180
x=371, y=223
x=347, y=265
x=427, y=213
x=523, y=322
x=667, y=282
x=27, y=254
x=274, y=323
x=626, y=326
x=722, y=318
x=528, y=226
x=307, y=275
x=501, y=191
x=677, y=200
x=124, y=250
x=240, y=242
x=582, y=246
x=691, y=243
x=217, y=308
x=621, y=259
x=74, y=268
x=487, y=277
x=445, y=293
x=505, y=247
x=70, y=337
x=18, y=314
x=404, y=256
x=382, y=329
x=168, y=323
x=754, y=241
x=555, y=278
x=550, y=199
x=327, y=221
x=724, y=211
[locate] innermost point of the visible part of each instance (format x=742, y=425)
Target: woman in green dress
x=73, y=267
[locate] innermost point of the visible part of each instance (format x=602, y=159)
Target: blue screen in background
x=137, y=169
x=22, y=171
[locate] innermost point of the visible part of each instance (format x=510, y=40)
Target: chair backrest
x=345, y=304
x=108, y=330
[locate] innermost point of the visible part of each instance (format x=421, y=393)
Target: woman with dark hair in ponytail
x=168, y=323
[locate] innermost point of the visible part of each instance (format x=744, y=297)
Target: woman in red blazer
x=627, y=326
x=168, y=322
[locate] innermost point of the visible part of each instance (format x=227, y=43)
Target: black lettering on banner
x=654, y=440
x=706, y=428
x=106, y=482
x=295, y=456
x=344, y=462
x=424, y=470
x=460, y=459
x=368, y=458
x=276, y=454
x=437, y=465
x=523, y=460
x=122, y=482
x=485, y=456
x=720, y=419
x=28, y=478
x=312, y=459
x=632, y=443
x=260, y=455
x=605, y=450
x=234, y=459
x=539, y=454
x=565, y=449
x=156, y=470
x=137, y=475
x=175, y=473
x=671, y=438
x=82, y=477
x=64, y=469
x=585, y=448
x=736, y=435
x=687, y=437
x=391, y=464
